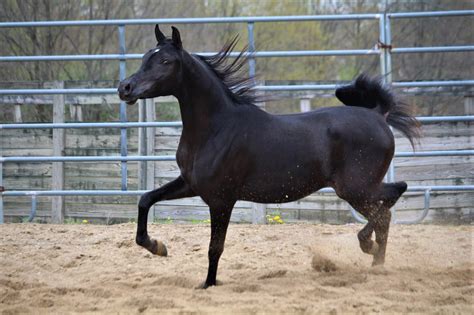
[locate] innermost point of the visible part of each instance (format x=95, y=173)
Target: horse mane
x=238, y=85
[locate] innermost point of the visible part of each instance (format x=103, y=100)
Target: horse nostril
x=125, y=89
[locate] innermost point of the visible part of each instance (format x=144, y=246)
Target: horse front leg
x=220, y=217
x=175, y=189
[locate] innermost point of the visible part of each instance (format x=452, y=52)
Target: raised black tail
x=372, y=93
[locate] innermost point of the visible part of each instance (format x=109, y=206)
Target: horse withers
x=231, y=150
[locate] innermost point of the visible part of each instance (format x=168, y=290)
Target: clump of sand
x=322, y=264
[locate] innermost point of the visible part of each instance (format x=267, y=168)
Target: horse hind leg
x=376, y=208
x=366, y=243
x=390, y=193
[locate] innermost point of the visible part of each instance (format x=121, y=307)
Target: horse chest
x=194, y=166
x=205, y=169
x=185, y=160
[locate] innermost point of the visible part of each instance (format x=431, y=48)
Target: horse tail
x=372, y=93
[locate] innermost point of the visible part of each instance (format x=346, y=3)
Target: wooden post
x=2, y=189
x=76, y=112
x=259, y=210
x=17, y=115
x=57, y=206
x=150, y=150
x=469, y=105
x=258, y=213
x=305, y=105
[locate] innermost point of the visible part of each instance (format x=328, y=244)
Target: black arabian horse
x=231, y=150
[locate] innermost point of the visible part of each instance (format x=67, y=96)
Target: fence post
x=469, y=105
x=123, y=109
x=57, y=202
x=258, y=213
x=76, y=112
x=251, y=48
x=1, y=194
x=387, y=73
x=17, y=114
x=258, y=210
x=305, y=105
x=142, y=146
x=150, y=150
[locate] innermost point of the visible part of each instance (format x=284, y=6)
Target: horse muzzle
x=125, y=91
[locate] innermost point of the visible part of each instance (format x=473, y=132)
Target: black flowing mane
x=238, y=85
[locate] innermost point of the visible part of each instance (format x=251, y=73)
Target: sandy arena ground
x=265, y=269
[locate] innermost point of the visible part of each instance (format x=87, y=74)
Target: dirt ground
x=288, y=268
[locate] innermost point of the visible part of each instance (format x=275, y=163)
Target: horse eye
x=165, y=61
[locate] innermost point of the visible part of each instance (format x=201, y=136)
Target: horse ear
x=159, y=35
x=176, y=38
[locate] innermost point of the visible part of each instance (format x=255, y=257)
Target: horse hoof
x=202, y=286
x=158, y=248
x=378, y=263
x=379, y=260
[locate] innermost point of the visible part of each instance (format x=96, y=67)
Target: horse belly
x=282, y=185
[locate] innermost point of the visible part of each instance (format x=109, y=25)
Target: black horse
x=231, y=150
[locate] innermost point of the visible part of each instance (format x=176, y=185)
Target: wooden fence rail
x=158, y=141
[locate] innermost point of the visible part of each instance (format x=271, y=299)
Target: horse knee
x=145, y=202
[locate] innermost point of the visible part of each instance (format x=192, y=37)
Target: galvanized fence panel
x=383, y=49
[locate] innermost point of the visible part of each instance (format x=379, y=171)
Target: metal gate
x=383, y=49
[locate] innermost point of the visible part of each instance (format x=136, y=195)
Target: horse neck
x=201, y=96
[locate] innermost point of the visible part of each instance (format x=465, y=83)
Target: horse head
x=159, y=73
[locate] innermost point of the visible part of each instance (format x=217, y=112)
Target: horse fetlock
x=142, y=240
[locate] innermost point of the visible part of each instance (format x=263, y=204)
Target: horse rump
x=372, y=93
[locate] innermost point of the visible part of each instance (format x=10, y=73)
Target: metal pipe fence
x=296, y=87
x=384, y=51
x=255, y=54
x=178, y=123
x=125, y=158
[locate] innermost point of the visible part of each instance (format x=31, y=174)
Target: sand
x=288, y=268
